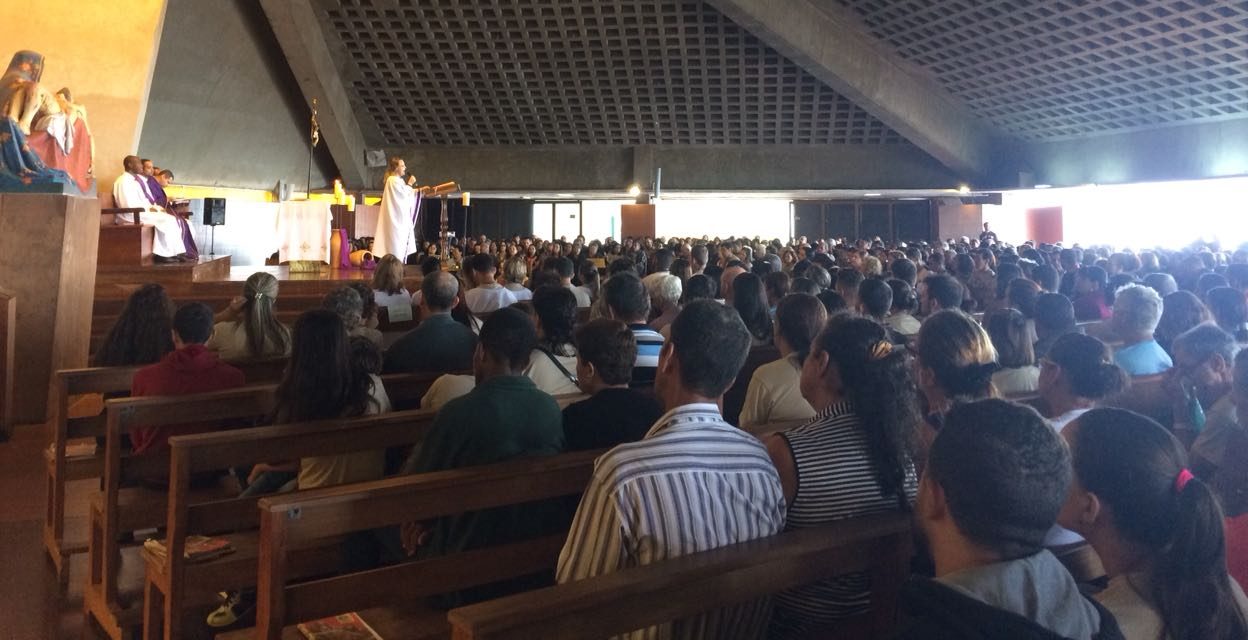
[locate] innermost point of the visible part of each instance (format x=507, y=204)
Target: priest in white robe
x=130, y=192
x=396, y=221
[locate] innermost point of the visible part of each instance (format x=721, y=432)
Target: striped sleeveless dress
x=835, y=480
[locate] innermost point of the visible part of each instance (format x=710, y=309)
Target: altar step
x=206, y=269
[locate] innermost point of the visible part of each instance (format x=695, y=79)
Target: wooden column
x=48, y=247
x=637, y=220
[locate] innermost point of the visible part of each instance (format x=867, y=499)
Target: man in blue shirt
x=1137, y=310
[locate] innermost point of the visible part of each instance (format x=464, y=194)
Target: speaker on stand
x=214, y=216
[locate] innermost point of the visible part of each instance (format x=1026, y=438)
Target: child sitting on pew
x=190, y=368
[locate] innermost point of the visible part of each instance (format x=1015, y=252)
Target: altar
x=253, y=231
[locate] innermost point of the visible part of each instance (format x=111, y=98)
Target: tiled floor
x=30, y=606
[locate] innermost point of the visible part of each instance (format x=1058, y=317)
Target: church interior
x=621, y=318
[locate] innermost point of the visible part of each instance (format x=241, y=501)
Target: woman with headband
x=1156, y=528
x=853, y=458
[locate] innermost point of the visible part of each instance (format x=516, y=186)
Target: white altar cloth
x=303, y=230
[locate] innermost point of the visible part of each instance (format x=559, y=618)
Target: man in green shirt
x=503, y=418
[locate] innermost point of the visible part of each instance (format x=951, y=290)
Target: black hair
x=481, y=263
x=849, y=279
x=904, y=270
x=777, y=284
x=799, y=319
x=508, y=335
x=819, y=276
x=804, y=285
x=1180, y=311
x=1209, y=281
x=1004, y=472
x=903, y=296
x=1095, y=275
x=944, y=289
x=368, y=299
x=319, y=381
x=663, y=259
x=1132, y=465
x=876, y=297
x=610, y=346
x=621, y=265
x=879, y=381
x=699, y=287
x=560, y=265
x=750, y=300
x=1088, y=366
x=1047, y=277
x=430, y=265
x=626, y=297
x=1022, y=294
x=1006, y=272
x=193, y=323
x=555, y=307
x=142, y=333
x=1055, y=313
x=711, y=343
x=1230, y=311
x=833, y=302
x=366, y=356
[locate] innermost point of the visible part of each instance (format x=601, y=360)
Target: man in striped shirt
x=694, y=482
x=628, y=302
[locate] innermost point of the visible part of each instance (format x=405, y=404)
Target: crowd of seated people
x=906, y=399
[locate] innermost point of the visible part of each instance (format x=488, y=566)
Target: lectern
x=48, y=246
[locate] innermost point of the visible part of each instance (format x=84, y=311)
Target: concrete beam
x=512, y=168
x=303, y=43
x=827, y=41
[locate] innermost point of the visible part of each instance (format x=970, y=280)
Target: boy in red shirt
x=189, y=368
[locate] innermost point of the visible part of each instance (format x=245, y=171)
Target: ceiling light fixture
x=963, y=188
x=1044, y=186
x=634, y=190
x=872, y=195
x=564, y=195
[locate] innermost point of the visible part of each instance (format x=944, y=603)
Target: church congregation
x=584, y=319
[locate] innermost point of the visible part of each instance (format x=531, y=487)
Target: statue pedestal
x=48, y=247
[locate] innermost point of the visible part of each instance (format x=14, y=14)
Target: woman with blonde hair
x=388, y=289
x=515, y=272
x=955, y=364
x=248, y=329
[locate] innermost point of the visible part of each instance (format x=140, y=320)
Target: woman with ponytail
x=956, y=363
x=853, y=458
x=1157, y=529
x=1077, y=372
x=248, y=329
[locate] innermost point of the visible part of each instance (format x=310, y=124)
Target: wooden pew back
x=683, y=587
x=1145, y=397
x=289, y=521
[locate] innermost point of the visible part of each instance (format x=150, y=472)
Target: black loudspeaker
x=214, y=212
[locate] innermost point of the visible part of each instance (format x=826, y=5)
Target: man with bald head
x=439, y=344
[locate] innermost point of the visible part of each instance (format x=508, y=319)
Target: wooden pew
x=734, y=398
x=1146, y=397
x=291, y=522
x=172, y=584
x=60, y=469
x=682, y=587
x=114, y=512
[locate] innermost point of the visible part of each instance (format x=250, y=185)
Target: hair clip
x=881, y=349
x=259, y=295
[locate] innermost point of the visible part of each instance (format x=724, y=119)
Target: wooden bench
x=60, y=469
x=734, y=398
x=679, y=588
x=1146, y=397
x=291, y=522
x=172, y=584
x=113, y=512
x=124, y=243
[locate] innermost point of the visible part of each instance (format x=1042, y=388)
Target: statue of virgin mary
x=35, y=132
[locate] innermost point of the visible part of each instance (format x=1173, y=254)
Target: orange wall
x=104, y=51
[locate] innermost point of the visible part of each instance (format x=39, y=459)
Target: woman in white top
x=774, y=394
x=388, y=289
x=515, y=272
x=552, y=365
x=1156, y=527
x=248, y=328
x=1018, y=374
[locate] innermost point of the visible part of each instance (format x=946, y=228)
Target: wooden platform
x=206, y=269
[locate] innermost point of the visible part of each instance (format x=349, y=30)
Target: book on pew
x=198, y=548
x=348, y=626
x=77, y=449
